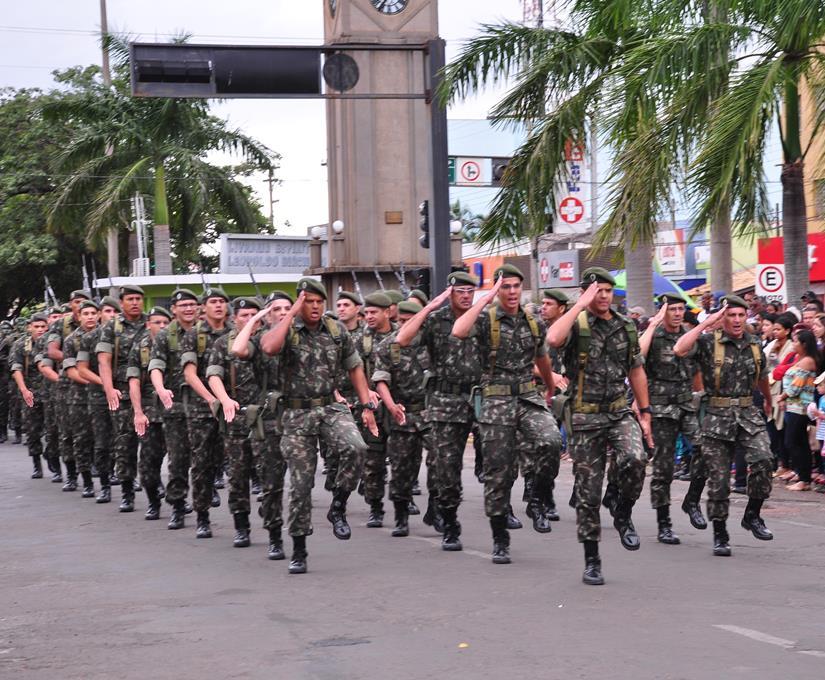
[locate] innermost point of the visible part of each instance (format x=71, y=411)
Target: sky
x=39, y=36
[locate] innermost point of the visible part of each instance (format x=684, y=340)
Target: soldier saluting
x=732, y=365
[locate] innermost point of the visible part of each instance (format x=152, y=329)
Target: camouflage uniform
x=15, y=401
x=50, y=409
x=512, y=404
x=57, y=333
x=165, y=357
x=6, y=386
x=99, y=416
x=77, y=409
x=402, y=369
x=601, y=417
x=312, y=362
x=724, y=426
x=204, y=436
x=22, y=358
x=671, y=400
x=117, y=338
x=152, y=444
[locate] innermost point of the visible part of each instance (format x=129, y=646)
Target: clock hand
x=382, y=5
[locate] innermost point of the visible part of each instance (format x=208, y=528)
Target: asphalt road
x=87, y=592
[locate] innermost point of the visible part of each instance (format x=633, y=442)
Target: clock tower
x=379, y=147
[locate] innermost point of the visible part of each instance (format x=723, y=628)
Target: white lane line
x=758, y=636
x=813, y=652
x=437, y=543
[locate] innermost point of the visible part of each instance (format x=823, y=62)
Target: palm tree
x=471, y=221
x=156, y=147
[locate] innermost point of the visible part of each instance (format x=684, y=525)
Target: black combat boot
x=721, y=545
x=37, y=468
x=572, y=501
x=432, y=517
x=513, y=522
x=161, y=491
x=255, y=482
x=204, y=529
x=241, y=539
x=691, y=503
x=337, y=515
x=529, y=479
x=402, y=519
x=187, y=508
x=276, y=545
x=216, y=498
x=665, y=534
x=298, y=563
x=376, y=517
x=219, y=483
x=153, y=511
x=127, y=496
x=412, y=508
x=105, y=495
x=71, y=476
x=176, y=519
x=535, y=508
x=3, y=436
x=114, y=480
x=416, y=488
x=18, y=437
x=610, y=499
x=88, y=484
x=452, y=530
x=624, y=525
x=752, y=521
x=54, y=466
x=592, y=564
x=550, y=511
x=501, y=539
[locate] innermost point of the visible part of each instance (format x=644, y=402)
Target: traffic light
x=424, y=224
x=498, y=169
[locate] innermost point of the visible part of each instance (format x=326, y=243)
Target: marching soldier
x=147, y=420
x=50, y=404
x=314, y=351
x=732, y=365
x=601, y=351
x=29, y=382
x=6, y=341
x=347, y=307
x=511, y=343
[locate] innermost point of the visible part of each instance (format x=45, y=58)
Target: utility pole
x=534, y=11
x=112, y=250
x=270, y=181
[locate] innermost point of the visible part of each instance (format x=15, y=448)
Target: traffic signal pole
x=439, y=208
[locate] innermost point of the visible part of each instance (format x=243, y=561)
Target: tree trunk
x=721, y=256
x=160, y=228
x=795, y=231
x=638, y=263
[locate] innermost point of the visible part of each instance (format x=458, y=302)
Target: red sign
x=573, y=152
x=772, y=279
x=571, y=209
x=470, y=171
x=770, y=252
x=566, y=271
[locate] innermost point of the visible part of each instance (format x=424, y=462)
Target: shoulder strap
x=118, y=331
x=583, y=349
x=172, y=336
x=757, y=360
x=67, y=326
x=718, y=359
x=395, y=353
x=495, y=336
x=233, y=369
x=333, y=328
x=201, y=339
x=27, y=348
x=366, y=344
x=633, y=339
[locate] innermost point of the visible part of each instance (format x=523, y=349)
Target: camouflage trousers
x=81, y=434
x=33, y=418
x=375, y=460
x=500, y=422
x=6, y=387
x=272, y=471
x=15, y=410
x=665, y=433
x=65, y=427
x=152, y=451
x=302, y=428
x=126, y=442
x=588, y=449
x=237, y=450
x=448, y=443
x=718, y=455
x=207, y=454
x=405, y=445
x=50, y=428
x=176, y=436
x=103, y=438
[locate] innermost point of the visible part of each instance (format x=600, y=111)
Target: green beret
x=461, y=278
x=65, y=309
x=279, y=295
x=89, y=303
x=557, y=294
x=378, y=299
x=160, y=311
x=395, y=296
x=331, y=314
x=347, y=295
x=109, y=301
x=130, y=289
x=507, y=270
x=215, y=292
x=408, y=307
x=246, y=303
x=38, y=317
x=75, y=294
x=56, y=310
x=733, y=301
x=418, y=296
x=308, y=285
x=597, y=274
x=671, y=299
x=183, y=294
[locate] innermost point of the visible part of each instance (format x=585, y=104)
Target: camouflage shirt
x=58, y=332
x=86, y=353
x=116, y=338
x=238, y=375
x=75, y=392
x=165, y=357
x=403, y=369
x=196, y=346
x=137, y=367
x=669, y=378
x=313, y=360
x=22, y=358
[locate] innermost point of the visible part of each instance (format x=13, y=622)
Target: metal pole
x=112, y=246
x=440, y=203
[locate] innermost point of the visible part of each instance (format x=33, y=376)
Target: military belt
x=412, y=407
x=310, y=403
x=448, y=387
x=724, y=402
x=603, y=407
x=509, y=390
x=669, y=401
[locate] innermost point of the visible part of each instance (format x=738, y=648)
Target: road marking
x=759, y=637
x=437, y=543
x=813, y=652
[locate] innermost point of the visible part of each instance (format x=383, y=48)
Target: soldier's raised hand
x=439, y=299
x=589, y=294
x=660, y=315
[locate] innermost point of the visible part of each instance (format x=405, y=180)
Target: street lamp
x=338, y=226
x=455, y=227
x=316, y=232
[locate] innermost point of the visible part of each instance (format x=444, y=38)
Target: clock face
x=332, y=5
x=390, y=6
